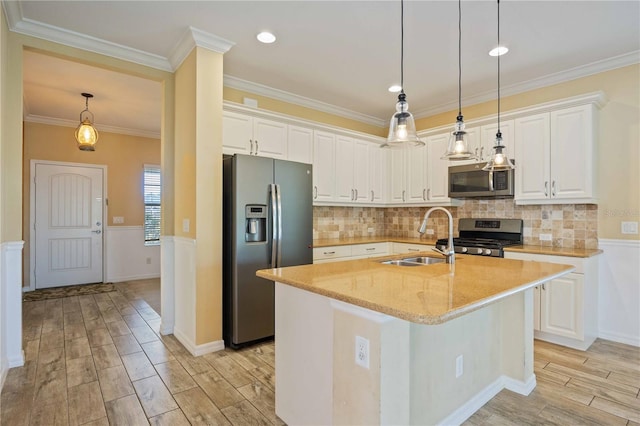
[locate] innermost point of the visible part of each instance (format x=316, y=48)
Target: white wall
x=127, y=258
x=619, y=291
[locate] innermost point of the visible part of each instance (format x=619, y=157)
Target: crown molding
x=19, y=24
x=32, y=118
x=609, y=64
x=194, y=37
x=281, y=95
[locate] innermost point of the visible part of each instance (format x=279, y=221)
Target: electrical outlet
x=430, y=232
x=118, y=219
x=362, y=352
x=148, y=261
x=185, y=225
x=370, y=229
x=459, y=366
x=545, y=237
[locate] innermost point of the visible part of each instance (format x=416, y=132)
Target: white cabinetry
x=402, y=248
x=300, y=144
x=437, y=173
x=349, y=252
x=488, y=139
x=566, y=308
x=242, y=134
x=556, y=157
x=377, y=174
x=324, y=166
x=352, y=170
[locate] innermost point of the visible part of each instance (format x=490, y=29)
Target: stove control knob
x=464, y=250
x=478, y=251
x=487, y=252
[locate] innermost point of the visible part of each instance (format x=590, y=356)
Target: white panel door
x=532, y=145
x=237, y=133
x=269, y=138
x=300, y=144
x=324, y=166
x=361, y=170
x=68, y=225
x=572, y=167
x=345, y=149
x=438, y=169
x=562, y=305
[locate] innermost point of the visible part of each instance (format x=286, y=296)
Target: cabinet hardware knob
x=315, y=192
x=356, y=195
x=329, y=252
x=256, y=153
x=423, y=196
x=372, y=195
x=429, y=194
x=251, y=150
x=546, y=188
x=553, y=188
x=403, y=196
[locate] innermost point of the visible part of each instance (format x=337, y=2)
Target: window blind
x=152, y=208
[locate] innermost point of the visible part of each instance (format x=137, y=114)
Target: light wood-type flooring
x=100, y=360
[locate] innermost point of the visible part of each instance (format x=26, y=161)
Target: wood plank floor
x=100, y=360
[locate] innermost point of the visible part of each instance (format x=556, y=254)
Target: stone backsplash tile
x=570, y=225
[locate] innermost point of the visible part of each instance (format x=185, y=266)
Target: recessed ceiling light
x=266, y=37
x=498, y=51
x=395, y=88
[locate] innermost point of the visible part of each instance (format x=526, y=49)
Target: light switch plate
x=118, y=219
x=545, y=237
x=185, y=225
x=629, y=228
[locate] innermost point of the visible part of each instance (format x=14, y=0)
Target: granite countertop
x=430, y=294
x=526, y=248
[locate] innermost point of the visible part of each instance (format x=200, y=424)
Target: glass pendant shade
x=86, y=135
x=499, y=159
x=402, y=129
x=458, y=148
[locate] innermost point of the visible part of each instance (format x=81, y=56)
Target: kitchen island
x=360, y=342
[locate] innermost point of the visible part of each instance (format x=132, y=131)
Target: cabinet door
x=361, y=170
x=438, y=170
x=237, y=133
x=377, y=174
x=488, y=137
x=397, y=173
x=300, y=144
x=562, y=305
x=270, y=138
x=572, y=164
x=344, y=160
x=532, y=147
x=324, y=167
x=416, y=178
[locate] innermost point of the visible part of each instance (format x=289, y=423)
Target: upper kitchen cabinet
x=300, y=144
x=243, y=134
x=555, y=157
x=324, y=167
x=437, y=172
x=488, y=139
x=377, y=174
x=352, y=170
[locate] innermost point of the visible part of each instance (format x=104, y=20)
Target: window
x=152, y=191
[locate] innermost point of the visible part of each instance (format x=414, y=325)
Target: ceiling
x=338, y=56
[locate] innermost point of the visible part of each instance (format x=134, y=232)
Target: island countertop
x=430, y=294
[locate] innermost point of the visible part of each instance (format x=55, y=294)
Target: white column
x=11, y=304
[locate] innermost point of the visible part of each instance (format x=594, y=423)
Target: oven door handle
x=491, y=181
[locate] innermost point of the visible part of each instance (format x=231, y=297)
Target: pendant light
x=458, y=148
x=86, y=134
x=402, y=129
x=499, y=159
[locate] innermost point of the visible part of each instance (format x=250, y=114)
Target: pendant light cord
x=499, y=67
x=460, y=59
x=402, y=46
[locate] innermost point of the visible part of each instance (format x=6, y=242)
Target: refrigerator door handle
x=274, y=225
x=279, y=238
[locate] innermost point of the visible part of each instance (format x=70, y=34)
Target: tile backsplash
x=570, y=225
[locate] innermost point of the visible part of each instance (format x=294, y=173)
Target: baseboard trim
x=197, y=350
x=166, y=329
x=3, y=372
x=133, y=278
x=619, y=338
x=485, y=395
x=17, y=361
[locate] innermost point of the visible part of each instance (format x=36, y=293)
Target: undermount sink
x=413, y=261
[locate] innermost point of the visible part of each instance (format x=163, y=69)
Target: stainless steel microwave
x=470, y=181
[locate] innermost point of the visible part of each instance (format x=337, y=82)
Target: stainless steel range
x=485, y=237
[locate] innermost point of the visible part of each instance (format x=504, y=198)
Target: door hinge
x=106, y=201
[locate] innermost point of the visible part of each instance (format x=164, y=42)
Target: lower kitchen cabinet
x=349, y=252
x=402, y=248
x=566, y=308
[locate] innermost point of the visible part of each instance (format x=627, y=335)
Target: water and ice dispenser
x=255, y=223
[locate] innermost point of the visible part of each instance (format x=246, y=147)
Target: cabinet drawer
x=373, y=249
x=324, y=253
x=399, y=248
x=576, y=262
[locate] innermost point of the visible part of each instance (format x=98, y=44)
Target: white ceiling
x=342, y=54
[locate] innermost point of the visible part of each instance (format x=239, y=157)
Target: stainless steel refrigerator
x=268, y=221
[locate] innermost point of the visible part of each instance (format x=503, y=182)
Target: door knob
x=97, y=231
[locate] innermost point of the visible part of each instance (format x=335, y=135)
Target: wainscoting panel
x=184, y=327
x=11, y=354
x=619, y=291
x=127, y=258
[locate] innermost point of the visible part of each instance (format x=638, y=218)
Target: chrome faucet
x=448, y=252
